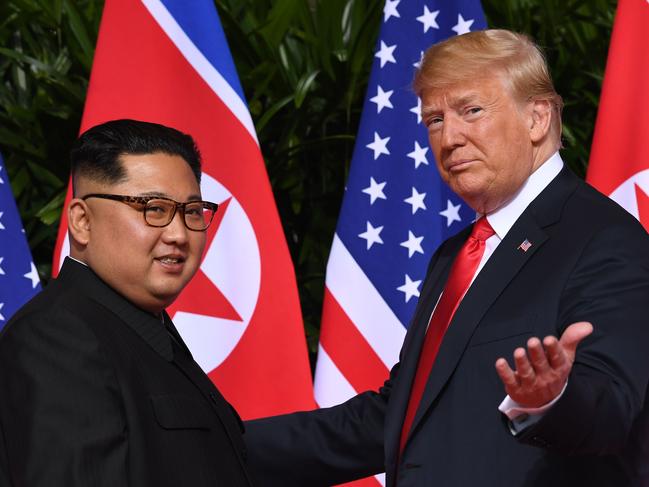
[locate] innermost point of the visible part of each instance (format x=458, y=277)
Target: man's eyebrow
x=428, y=110
x=453, y=102
x=158, y=194
x=465, y=99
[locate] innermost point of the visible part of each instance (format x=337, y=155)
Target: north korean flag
x=619, y=159
x=167, y=61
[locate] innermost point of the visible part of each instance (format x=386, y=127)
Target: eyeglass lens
x=159, y=213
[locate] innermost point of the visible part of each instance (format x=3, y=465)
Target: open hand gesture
x=542, y=371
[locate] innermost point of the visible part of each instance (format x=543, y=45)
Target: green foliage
x=304, y=67
x=45, y=57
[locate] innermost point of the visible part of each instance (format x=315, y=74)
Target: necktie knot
x=482, y=230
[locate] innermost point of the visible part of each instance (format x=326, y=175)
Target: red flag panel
x=619, y=160
x=244, y=298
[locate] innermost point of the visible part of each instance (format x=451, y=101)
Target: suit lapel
x=146, y=325
x=507, y=260
x=150, y=328
x=409, y=357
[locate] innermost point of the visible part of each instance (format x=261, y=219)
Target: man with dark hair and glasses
x=97, y=387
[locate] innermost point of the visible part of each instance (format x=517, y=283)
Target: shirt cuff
x=520, y=416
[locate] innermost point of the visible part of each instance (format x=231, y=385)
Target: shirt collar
x=504, y=218
x=77, y=260
x=82, y=279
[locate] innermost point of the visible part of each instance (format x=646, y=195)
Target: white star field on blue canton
x=396, y=209
x=19, y=279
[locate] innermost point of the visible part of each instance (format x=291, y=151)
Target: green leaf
x=279, y=20
x=268, y=115
x=20, y=143
x=51, y=212
x=44, y=176
x=303, y=86
x=80, y=32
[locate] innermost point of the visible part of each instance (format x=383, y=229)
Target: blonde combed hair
x=496, y=52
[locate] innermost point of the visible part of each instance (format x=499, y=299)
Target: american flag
x=395, y=212
x=525, y=245
x=18, y=276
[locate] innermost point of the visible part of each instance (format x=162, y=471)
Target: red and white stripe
x=360, y=336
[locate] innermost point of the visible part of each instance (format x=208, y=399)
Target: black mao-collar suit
x=588, y=260
x=97, y=392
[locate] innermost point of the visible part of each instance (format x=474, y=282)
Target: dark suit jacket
x=94, y=392
x=589, y=260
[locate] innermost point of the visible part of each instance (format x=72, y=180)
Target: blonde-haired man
x=547, y=257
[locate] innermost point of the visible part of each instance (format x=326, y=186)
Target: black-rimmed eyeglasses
x=159, y=212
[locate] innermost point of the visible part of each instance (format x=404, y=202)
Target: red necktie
x=462, y=272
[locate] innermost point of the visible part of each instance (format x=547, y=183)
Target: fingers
x=543, y=366
x=537, y=356
x=506, y=374
x=540, y=371
x=524, y=373
x=555, y=353
x=524, y=368
x=552, y=353
x=537, y=360
x=573, y=335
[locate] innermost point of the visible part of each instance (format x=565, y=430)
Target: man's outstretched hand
x=542, y=371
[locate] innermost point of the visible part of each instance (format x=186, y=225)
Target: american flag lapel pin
x=525, y=245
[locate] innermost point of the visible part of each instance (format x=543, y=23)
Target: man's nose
x=452, y=133
x=176, y=231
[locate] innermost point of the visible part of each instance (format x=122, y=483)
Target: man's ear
x=79, y=221
x=540, y=119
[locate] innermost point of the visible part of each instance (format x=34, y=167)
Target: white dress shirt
x=503, y=219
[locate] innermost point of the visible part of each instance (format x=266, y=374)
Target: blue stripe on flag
x=200, y=21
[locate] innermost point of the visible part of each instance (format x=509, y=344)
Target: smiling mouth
x=170, y=260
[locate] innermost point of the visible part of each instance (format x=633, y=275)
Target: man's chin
x=472, y=195
x=161, y=299
x=167, y=300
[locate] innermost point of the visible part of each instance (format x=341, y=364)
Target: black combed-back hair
x=96, y=153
